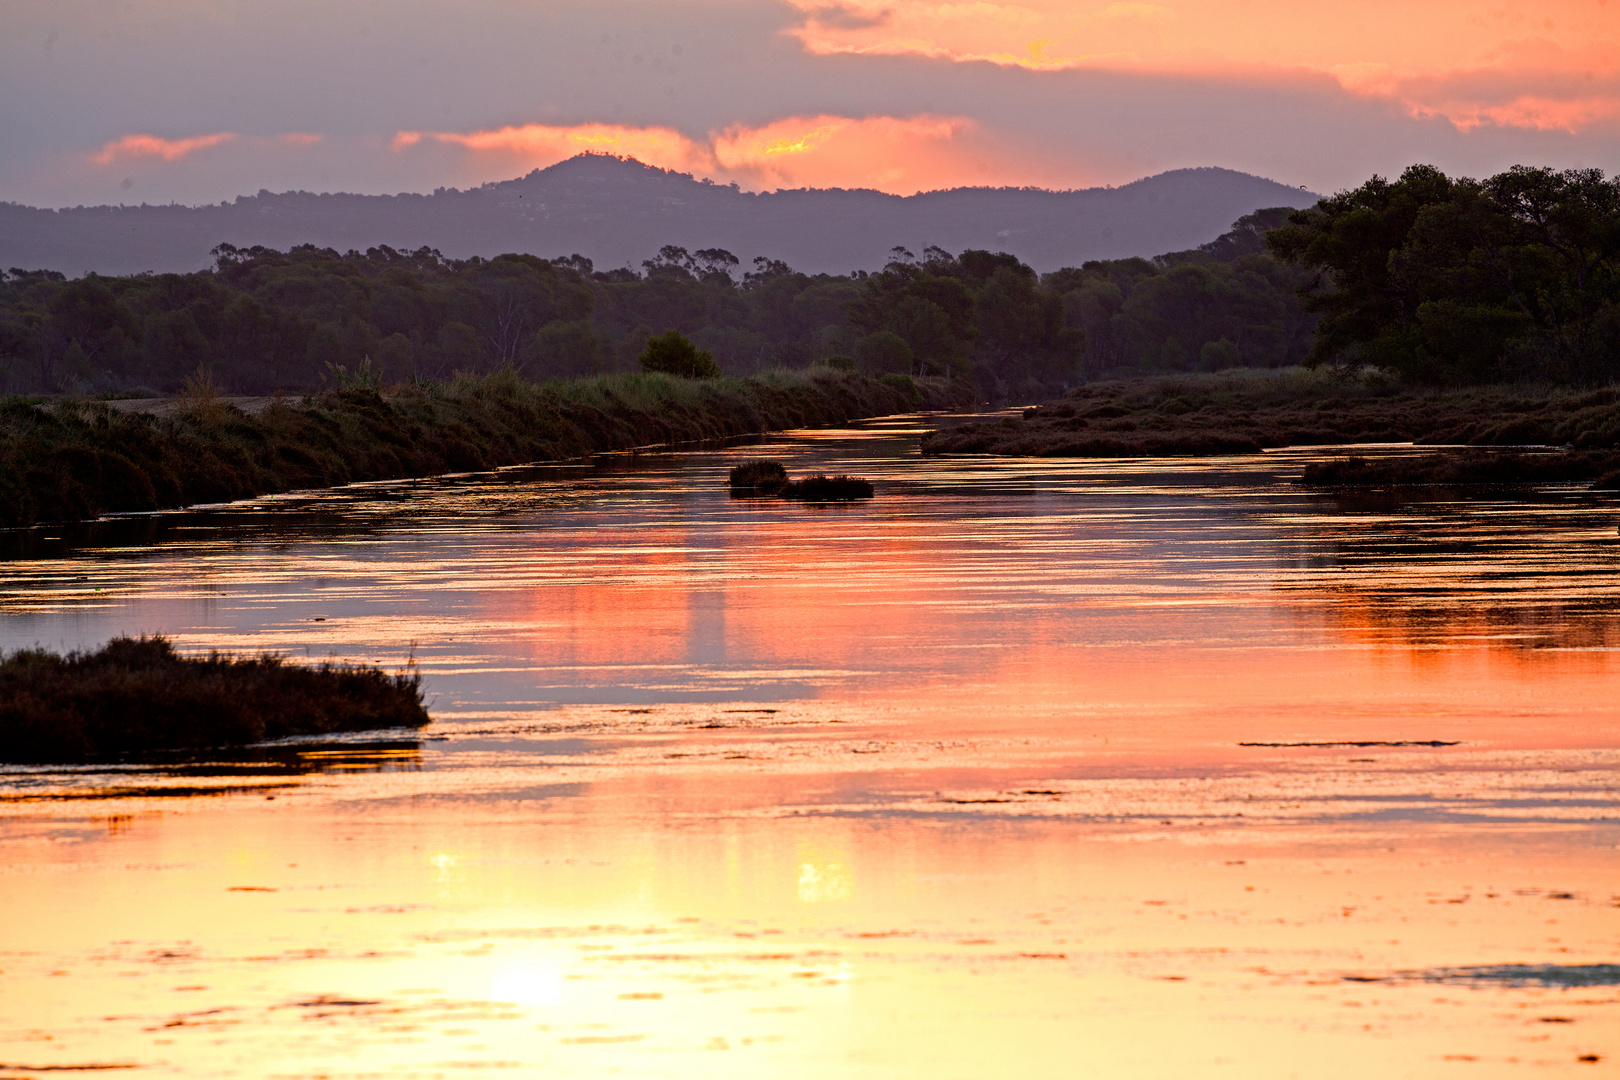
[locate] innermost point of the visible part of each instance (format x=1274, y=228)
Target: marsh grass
x=202, y=396
x=75, y=460
x=135, y=696
x=1245, y=412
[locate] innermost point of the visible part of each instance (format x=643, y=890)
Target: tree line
x=1434, y=279
x=1458, y=281
x=263, y=320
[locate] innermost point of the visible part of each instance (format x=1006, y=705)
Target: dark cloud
x=843, y=17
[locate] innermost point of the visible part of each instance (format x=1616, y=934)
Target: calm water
x=1025, y=768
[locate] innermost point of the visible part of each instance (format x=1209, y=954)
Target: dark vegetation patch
x=137, y=695
x=758, y=478
x=828, y=489
x=74, y=460
x=770, y=478
x=1245, y=413
x=1468, y=467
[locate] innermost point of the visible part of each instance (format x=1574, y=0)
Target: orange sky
x=897, y=154
x=1548, y=63
x=900, y=95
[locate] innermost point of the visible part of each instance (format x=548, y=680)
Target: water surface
x=1026, y=767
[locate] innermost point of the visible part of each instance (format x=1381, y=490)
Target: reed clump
x=758, y=478
x=75, y=460
x=1245, y=412
x=820, y=488
x=137, y=696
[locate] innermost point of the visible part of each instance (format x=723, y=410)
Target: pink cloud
x=136, y=146
x=538, y=145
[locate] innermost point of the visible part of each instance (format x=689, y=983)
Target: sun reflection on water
x=1044, y=768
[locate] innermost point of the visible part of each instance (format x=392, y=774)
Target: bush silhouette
x=761, y=477
x=820, y=488
x=673, y=354
x=137, y=695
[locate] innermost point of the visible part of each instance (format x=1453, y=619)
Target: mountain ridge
x=618, y=211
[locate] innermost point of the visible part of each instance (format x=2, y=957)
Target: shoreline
x=75, y=461
x=1251, y=412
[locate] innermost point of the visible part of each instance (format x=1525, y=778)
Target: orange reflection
x=346, y=933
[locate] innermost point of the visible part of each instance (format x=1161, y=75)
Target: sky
x=192, y=101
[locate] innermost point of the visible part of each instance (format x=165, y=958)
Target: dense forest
x=1435, y=280
x=1458, y=281
x=265, y=320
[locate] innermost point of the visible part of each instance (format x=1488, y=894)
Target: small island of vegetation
x=137, y=696
x=770, y=478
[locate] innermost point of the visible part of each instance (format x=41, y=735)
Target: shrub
x=673, y=354
x=762, y=477
x=884, y=351
x=903, y=383
x=828, y=489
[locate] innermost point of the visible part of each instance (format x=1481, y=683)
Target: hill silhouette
x=618, y=211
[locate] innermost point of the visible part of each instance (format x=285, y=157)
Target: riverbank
x=1246, y=412
x=74, y=460
x=137, y=696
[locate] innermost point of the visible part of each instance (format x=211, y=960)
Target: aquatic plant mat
x=74, y=460
x=1246, y=412
x=137, y=695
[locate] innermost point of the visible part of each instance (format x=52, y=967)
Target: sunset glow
x=898, y=95
x=888, y=153
x=537, y=145
x=1517, y=64
x=803, y=539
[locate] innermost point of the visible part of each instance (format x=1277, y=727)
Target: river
x=1034, y=768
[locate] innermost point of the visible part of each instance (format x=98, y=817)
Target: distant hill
x=618, y=212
